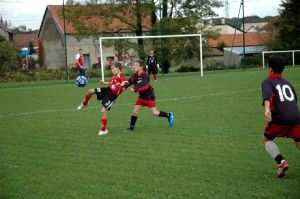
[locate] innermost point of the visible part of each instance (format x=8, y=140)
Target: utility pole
x=65, y=43
x=243, y=31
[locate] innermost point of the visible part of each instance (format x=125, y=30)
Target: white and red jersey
x=79, y=58
x=115, y=82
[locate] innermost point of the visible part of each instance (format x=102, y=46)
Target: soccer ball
x=81, y=81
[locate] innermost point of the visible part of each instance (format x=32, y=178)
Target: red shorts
x=276, y=130
x=145, y=102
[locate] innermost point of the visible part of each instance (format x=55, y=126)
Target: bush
x=188, y=68
x=8, y=56
x=254, y=60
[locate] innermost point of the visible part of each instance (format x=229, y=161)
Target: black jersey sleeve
x=267, y=91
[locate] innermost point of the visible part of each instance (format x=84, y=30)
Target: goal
x=281, y=51
x=101, y=39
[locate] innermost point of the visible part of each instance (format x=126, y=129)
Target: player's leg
x=271, y=131
x=295, y=133
x=104, y=120
x=81, y=71
x=108, y=99
x=87, y=98
x=168, y=115
x=133, y=118
x=149, y=71
x=154, y=74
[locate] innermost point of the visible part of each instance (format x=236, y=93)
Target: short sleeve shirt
x=115, y=82
x=283, y=100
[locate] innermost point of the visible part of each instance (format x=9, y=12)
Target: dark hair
x=141, y=63
x=117, y=65
x=277, y=63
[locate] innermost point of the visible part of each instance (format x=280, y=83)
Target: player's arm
x=123, y=82
x=129, y=82
x=77, y=61
x=266, y=95
x=267, y=110
x=156, y=61
x=143, y=85
x=104, y=83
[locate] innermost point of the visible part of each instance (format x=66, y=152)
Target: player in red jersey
x=79, y=62
x=141, y=84
x=108, y=95
x=281, y=111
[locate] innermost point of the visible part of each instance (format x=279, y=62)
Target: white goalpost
x=101, y=39
x=279, y=51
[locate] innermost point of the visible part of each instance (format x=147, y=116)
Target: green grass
x=48, y=149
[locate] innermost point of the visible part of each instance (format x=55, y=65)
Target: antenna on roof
x=226, y=8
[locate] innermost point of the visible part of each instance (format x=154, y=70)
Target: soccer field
x=49, y=149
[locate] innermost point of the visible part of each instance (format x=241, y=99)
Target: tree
x=185, y=17
x=178, y=17
x=8, y=55
x=288, y=25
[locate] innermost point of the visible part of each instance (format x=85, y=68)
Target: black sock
x=278, y=158
x=163, y=114
x=132, y=122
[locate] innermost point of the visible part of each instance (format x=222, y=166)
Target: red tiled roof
x=22, y=40
x=251, y=39
x=99, y=23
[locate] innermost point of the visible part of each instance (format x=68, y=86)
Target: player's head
x=276, y=63
x=116, y=68
x=139, y=65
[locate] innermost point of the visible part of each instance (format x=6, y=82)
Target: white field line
x=126, y=104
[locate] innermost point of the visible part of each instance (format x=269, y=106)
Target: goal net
x=177, y=49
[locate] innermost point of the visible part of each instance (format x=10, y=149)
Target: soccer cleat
x=103, y=132
x=128, y=130
x=282, y=168
x=171, y=119
x=81, y=106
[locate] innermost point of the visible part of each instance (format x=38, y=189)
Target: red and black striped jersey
x=283, y=100
x=141, y=84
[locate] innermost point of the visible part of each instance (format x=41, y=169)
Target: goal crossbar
x=149, y=37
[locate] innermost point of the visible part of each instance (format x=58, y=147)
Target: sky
x=30, y=12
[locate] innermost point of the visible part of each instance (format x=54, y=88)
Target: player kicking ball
x=141, y=85
x=108, y=95
x=281, y=111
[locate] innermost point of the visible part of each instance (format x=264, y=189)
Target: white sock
x=272, y=149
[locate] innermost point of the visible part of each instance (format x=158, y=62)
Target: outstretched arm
x=104, y=83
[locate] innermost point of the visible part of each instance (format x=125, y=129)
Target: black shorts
x=152, y=69
x=107, y=97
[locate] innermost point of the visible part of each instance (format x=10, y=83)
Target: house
x=24, y=40
x=4, y=32
x=53, y=35
x=23, y=43
x=233, y=50
x=224, y=29
x=254, y=27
